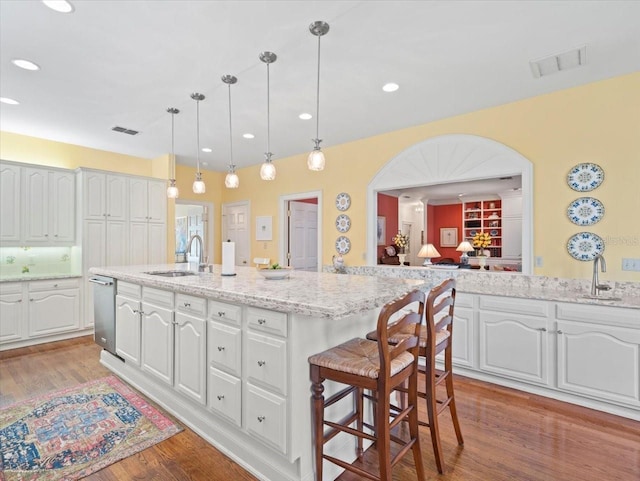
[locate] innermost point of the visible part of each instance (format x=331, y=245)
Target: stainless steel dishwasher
x=104, y=308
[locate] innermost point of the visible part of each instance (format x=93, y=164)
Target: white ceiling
x=124, y=62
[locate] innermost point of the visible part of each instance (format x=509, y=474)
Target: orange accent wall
x=440, y=216
x=388, y=208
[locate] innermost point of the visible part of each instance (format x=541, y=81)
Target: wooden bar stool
x=436, y=337
x=379, y=367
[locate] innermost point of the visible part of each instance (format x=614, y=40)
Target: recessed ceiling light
x=248, y=136
x=204, y=164
x=8, y=101
x=207, y=149
x=25, y=64
x=61, y=6
x=390, y=87
x=305, y=116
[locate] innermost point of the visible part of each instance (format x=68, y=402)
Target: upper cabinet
x=37, y=206
x=104, y=196
x=147, y=201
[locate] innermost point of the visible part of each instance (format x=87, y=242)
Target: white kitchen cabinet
x=266, y=417
x=595, y=359
x=147, y=214
x=514, y=338
x=10, y=204
x=225, y=347
x=225, y=395
x=267, y=362
x=190, y=356
x=157, y=334
x=12, y=316
x=512, y=225
x=104, y=196
x=54, y=306
x=128, y=328
x=49, y=207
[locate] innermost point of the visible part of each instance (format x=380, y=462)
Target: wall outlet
x=631, y=264
x=539, y=261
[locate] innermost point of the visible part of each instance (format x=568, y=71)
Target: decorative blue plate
x=343, y=223
x=493, y=232
x=343, y=201
x=585, y=246
x=343, y=244
x=585, y=177
x=585, y=211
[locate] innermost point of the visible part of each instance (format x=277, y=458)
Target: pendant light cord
x=318, y=94
x=173, y=153
x=268, y=117
x=198, y=134
x=230, y=133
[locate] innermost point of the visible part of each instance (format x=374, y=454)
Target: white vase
x=402, y=257
x=482, y=261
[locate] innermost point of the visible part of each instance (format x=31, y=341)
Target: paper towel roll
x=228, y=258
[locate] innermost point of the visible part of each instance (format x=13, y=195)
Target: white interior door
x=235, y=228
x=303, y=236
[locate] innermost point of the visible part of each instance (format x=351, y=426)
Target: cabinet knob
x=187, y=304
x=220, y=348
x=19, y=300
x=221, y=397
x=262, y=321
x=559, y=331
x=55, y=235
x=55, y=285
x=261, y=418
x=221, y=313
x=261, y=363
x=31, y=299
x=46, y=235
x=136, y=311
x=108, y=215
x=542, y=329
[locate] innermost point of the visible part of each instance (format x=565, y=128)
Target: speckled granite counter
x=37, y=277
x=511, y=284
x=309, y=293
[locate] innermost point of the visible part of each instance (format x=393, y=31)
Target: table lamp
x=428, y=251
x=464, y=247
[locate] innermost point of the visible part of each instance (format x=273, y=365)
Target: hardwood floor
x=509, y=435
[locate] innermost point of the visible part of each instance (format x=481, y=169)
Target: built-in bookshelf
x=483, y=216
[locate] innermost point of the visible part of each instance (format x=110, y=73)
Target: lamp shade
x=267, y=171
x=428, y=251
x=315, y=161
x=465, y=246
x=232, y=181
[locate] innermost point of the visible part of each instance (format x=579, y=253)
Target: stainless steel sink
x=171, y=273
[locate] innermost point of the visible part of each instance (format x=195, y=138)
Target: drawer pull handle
x=220, y=348
x=542, y=329
x=261, y=418
x=221, y=397
x=221, y=313
x=31, y=299
x=136, y=311
x=187, y=304
x=559, y=331
x=262, y=321
x=55, y=285
x=261, y=363
x=19, y=300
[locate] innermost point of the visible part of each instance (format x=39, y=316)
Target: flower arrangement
x=401, y=241
x=481, y=240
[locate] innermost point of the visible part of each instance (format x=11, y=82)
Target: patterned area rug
x=72, y=433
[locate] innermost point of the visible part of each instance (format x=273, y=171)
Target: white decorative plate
x=585, y=211
x=343, y=223
x=585, y=177
x=343, y=201
x=442, y=266
x=343, y=245
x=585, y=246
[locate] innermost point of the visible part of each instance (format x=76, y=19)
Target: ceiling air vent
x=558, y=62
x=125, y=130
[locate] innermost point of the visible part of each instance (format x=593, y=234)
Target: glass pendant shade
x=231, y=181
x=268, y=171
x=315, y=161
x=172, y=190
x=198, y=185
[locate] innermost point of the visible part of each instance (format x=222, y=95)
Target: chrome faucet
x=596, y=287
x=201, y=264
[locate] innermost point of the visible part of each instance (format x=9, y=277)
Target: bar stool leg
x=382, y=435
x=414, y=431
x=432, y=415
x=451, y=396
x=317, y=389
x=359, y=404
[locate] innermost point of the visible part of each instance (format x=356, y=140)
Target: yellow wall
x=599, y=123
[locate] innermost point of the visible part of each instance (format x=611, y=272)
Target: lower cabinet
x=225, y=395
x=54, y=306
x=267, y=417
x=12, y=315
x=190, y=356
x=157, y=334
x=128, y=328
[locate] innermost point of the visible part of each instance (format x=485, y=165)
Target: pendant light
x=231, y=181
x=198, y=184
x=267, y=169
x=172, y=190
x=316, y=157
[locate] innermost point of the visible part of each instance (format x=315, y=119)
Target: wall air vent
x=125, y=130
x=558, y=62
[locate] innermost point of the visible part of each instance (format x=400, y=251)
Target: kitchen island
x=227, y=355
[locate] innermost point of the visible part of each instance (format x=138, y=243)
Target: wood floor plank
x=509, y=435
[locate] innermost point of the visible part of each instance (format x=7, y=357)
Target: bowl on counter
x=279, y=273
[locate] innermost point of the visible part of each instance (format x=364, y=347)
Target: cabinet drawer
x=267, y=417
x=515, y=305
x=196, y=306
x=267, y=361
x=464, y=300
x=130, y=290
x=157, y=297
x=225, y=395
x=221, y=311
x=54, y=284
x=267, y=321
x=10, y=288
x=225, y=347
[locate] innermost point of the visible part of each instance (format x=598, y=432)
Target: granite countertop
x=324, y=295
x=37, y=277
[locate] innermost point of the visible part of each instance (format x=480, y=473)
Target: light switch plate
x=631, y=264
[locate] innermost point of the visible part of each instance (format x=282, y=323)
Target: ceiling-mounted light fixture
x=231, y=180
x=198, y=184
x=316, y=157
x=267, y=169
x=172, y=190
x=61, y=6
